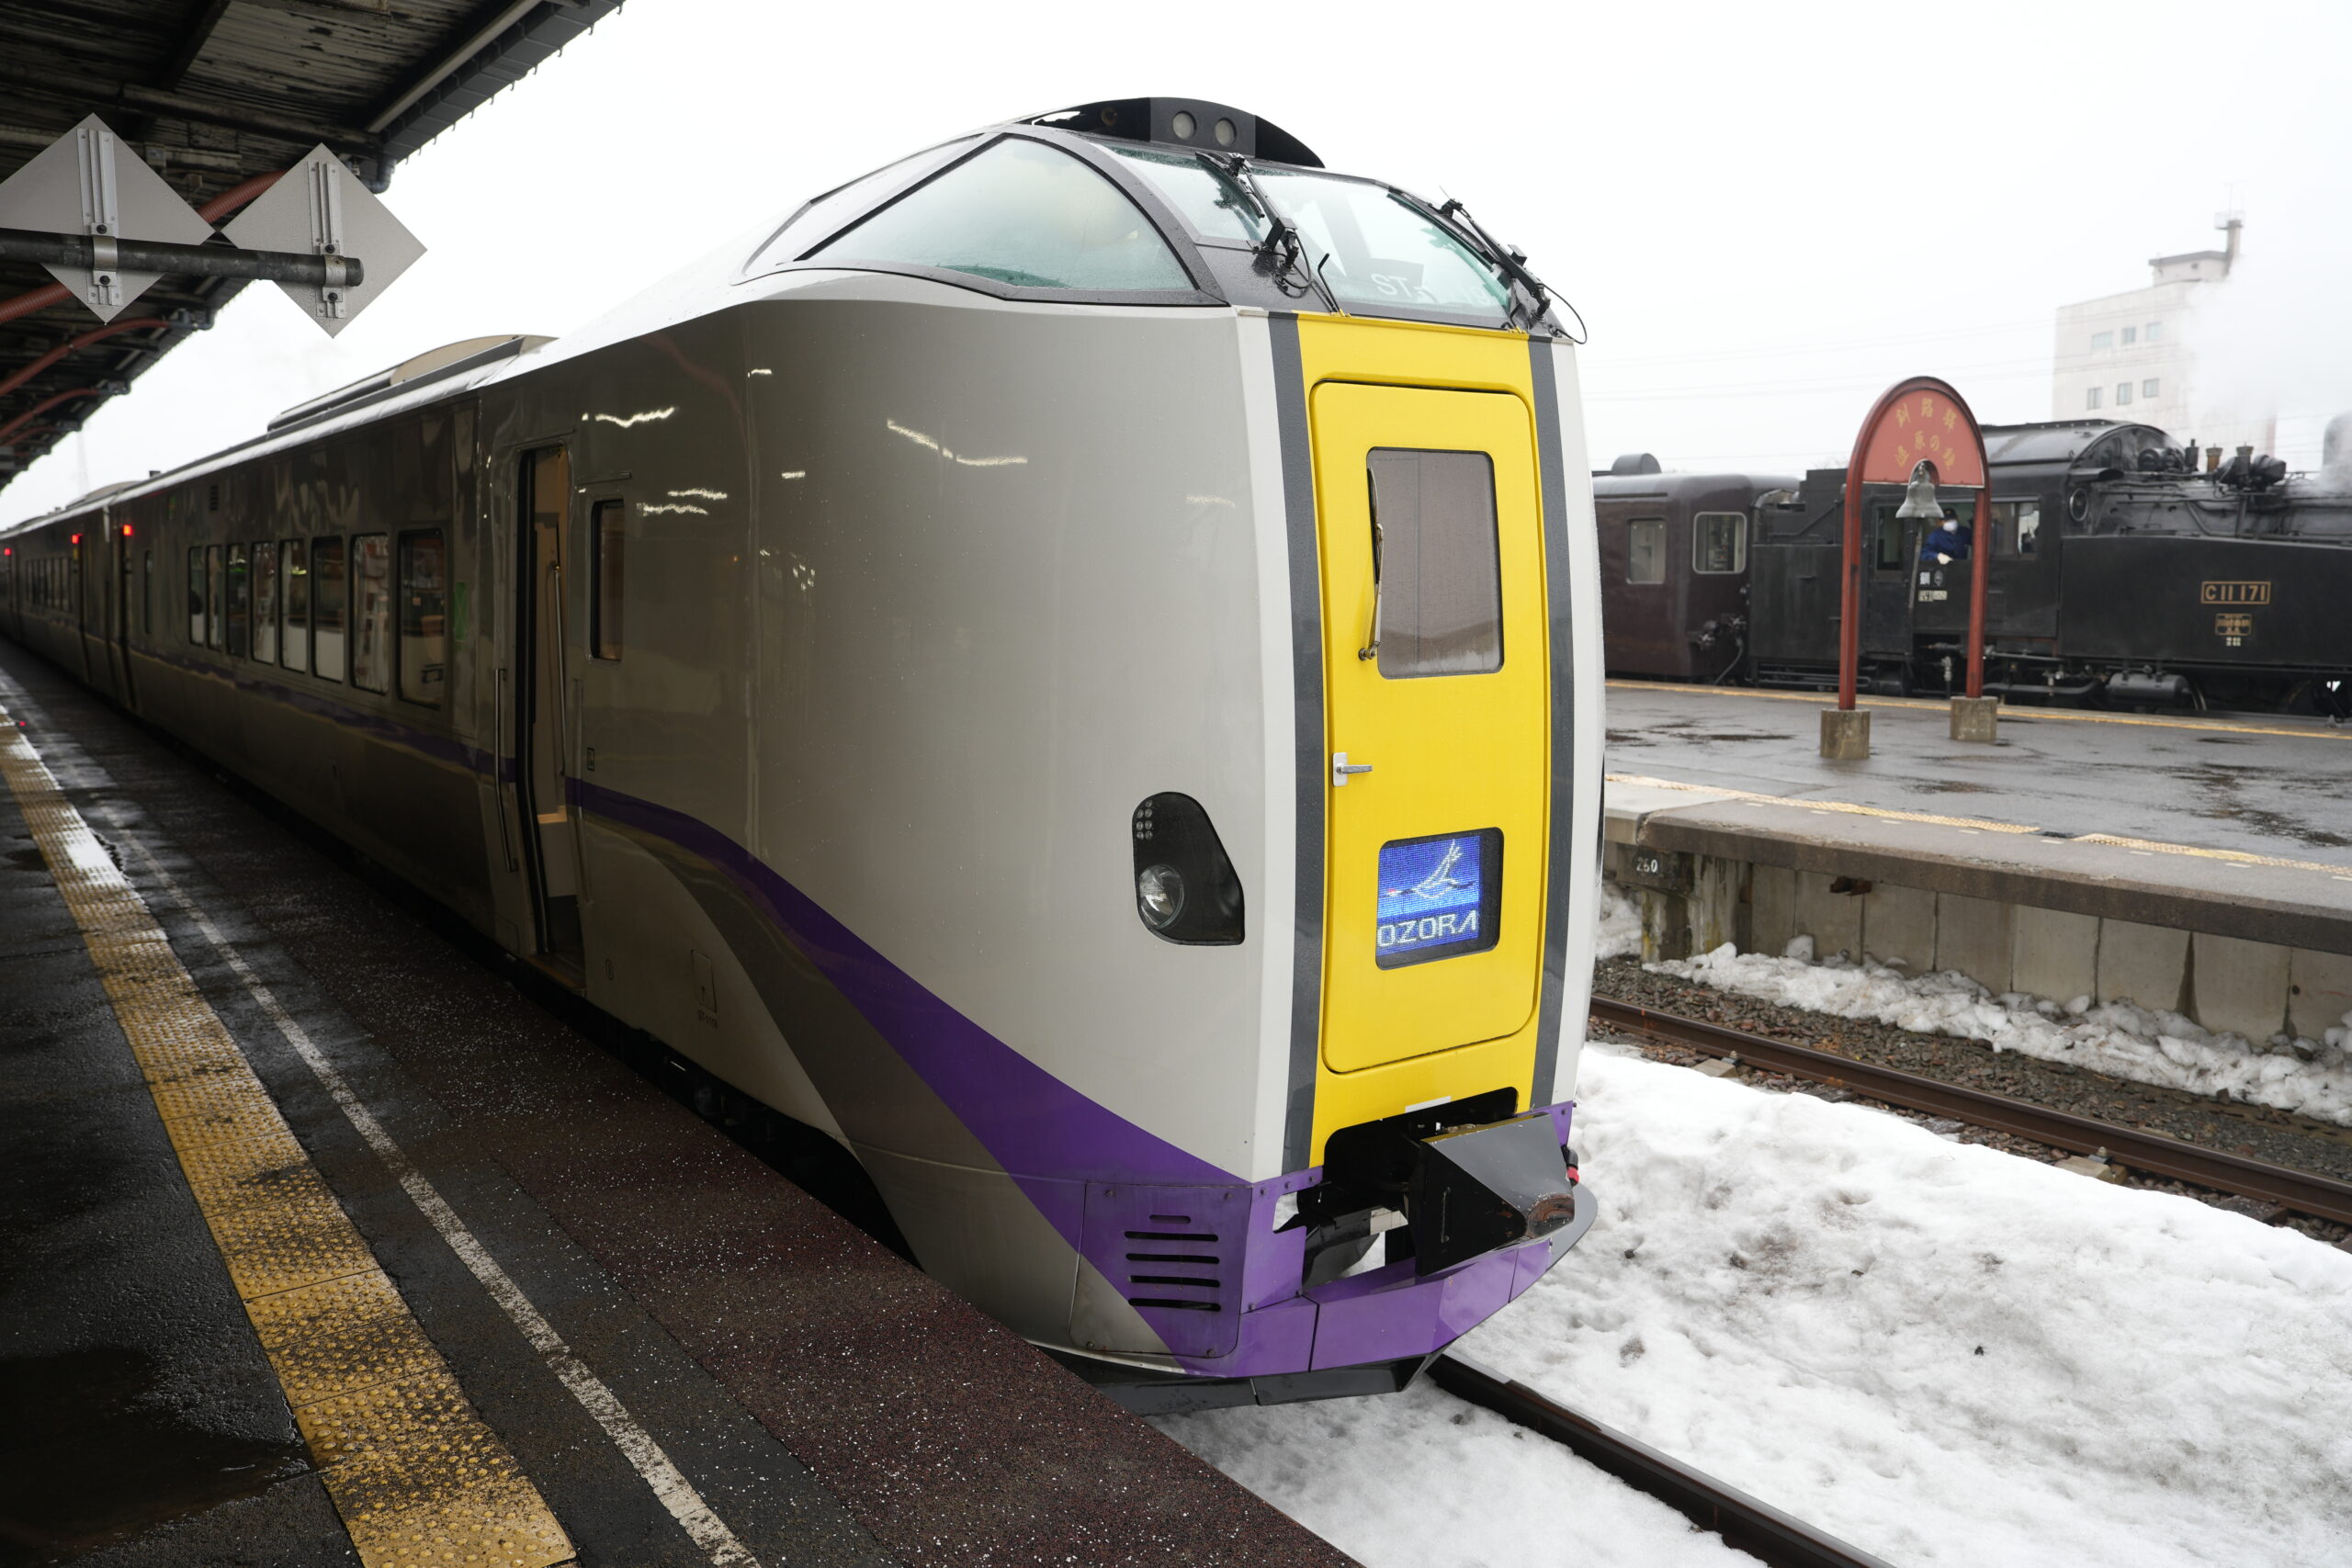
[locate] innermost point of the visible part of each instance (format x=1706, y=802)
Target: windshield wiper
x=1284, y=250
x=1507, y=259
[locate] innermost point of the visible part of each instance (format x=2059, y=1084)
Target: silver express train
x=1071, y=665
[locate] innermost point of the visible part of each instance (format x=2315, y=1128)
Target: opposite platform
x=2089, y=861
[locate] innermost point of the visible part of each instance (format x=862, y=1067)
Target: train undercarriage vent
x=1444, y=1184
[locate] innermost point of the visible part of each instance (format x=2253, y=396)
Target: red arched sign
x=1920, y=420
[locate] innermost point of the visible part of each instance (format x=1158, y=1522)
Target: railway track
x=2153, y=1152
x=1749, y=1523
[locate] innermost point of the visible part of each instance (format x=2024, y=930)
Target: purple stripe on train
x=1116, y=1191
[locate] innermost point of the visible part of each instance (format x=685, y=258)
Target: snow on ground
x=1944, y=1354
x=1421, y=1479
x=2119, y=1038
x=1620, y=935
x=2312, y=1077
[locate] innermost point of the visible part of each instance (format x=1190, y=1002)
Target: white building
x=2133, y=356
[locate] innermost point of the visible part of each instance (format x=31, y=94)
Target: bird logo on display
x=1440, y=881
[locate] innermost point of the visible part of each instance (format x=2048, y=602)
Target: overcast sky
x=1765, y=213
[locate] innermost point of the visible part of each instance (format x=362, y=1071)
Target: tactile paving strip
x=417, y=1475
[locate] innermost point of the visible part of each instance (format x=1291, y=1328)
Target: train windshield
x=1210, y=201
x=1371, y=247
x=1019, y=213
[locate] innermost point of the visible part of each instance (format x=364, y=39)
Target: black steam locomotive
x=2121, y=571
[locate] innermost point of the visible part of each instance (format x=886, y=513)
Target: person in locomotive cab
x=1946, y=542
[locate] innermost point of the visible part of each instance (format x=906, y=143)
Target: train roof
x=2056, y=441
x=1198, y=137
x=1686, y=487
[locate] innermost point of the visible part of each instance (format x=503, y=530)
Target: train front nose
x=1477, y=1188
x=1444, y=1185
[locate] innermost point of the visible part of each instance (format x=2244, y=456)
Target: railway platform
x=2197, y=864
x=322, y=1241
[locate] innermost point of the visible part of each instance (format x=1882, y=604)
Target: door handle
x=1341, y=768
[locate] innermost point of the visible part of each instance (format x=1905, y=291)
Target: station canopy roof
x=211, y=94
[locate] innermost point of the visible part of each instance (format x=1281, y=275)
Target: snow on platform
x=1944, y=1354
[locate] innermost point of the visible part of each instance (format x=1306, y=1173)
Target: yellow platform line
x=417, y=1474
x=1845, y=807
x=1942, y=705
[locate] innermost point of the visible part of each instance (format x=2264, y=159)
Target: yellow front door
x=1438, y=716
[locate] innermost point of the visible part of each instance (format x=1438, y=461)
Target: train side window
x=371, y=611
x=330, y=594
x=211, y=595
x=605, y=599
x=425, y=617
x=1719, y=543
x=294, y=646
x=239, y=604
x=195, y=595
x=1439, y=562
x=1887, y=553
x=2017, y=528
x=1645, y=551
x=265, y=569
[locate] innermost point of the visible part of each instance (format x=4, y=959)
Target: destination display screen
x=1438, y=896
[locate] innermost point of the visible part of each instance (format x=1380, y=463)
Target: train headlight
x=1159, y=894
x=1185, y=887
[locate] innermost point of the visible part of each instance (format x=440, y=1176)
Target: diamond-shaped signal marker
x=320, y=207
x=78, y=184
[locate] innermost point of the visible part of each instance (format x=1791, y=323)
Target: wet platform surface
x=821, y=1400
x=2251, y=785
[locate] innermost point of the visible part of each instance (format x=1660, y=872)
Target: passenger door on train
x=543, y=737
x=124, y=611
x=1437, y=703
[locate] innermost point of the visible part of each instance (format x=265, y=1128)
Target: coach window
x=424, y=620
x=371, y=611
x=330, y=593
x=1437, y=562
x=1719, y=542
x=240, y=603
x=1887, y=551
x=2017, y=527
x=211, y=595
x=294, y=580
x=604, y=603
x=1645, y=551
x=195, y=595
x=265, y=569
x=147, y=595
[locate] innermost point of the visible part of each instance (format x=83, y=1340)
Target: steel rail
x=1746, y=1522
x=2151, y=1152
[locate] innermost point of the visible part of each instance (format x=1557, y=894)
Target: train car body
x=1674, y=589
x=1017, y=670
x=2116, y=573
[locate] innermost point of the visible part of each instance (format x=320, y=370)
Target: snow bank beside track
x=1944, y=1354
x=2123, y=1040
x=2311, y=1077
